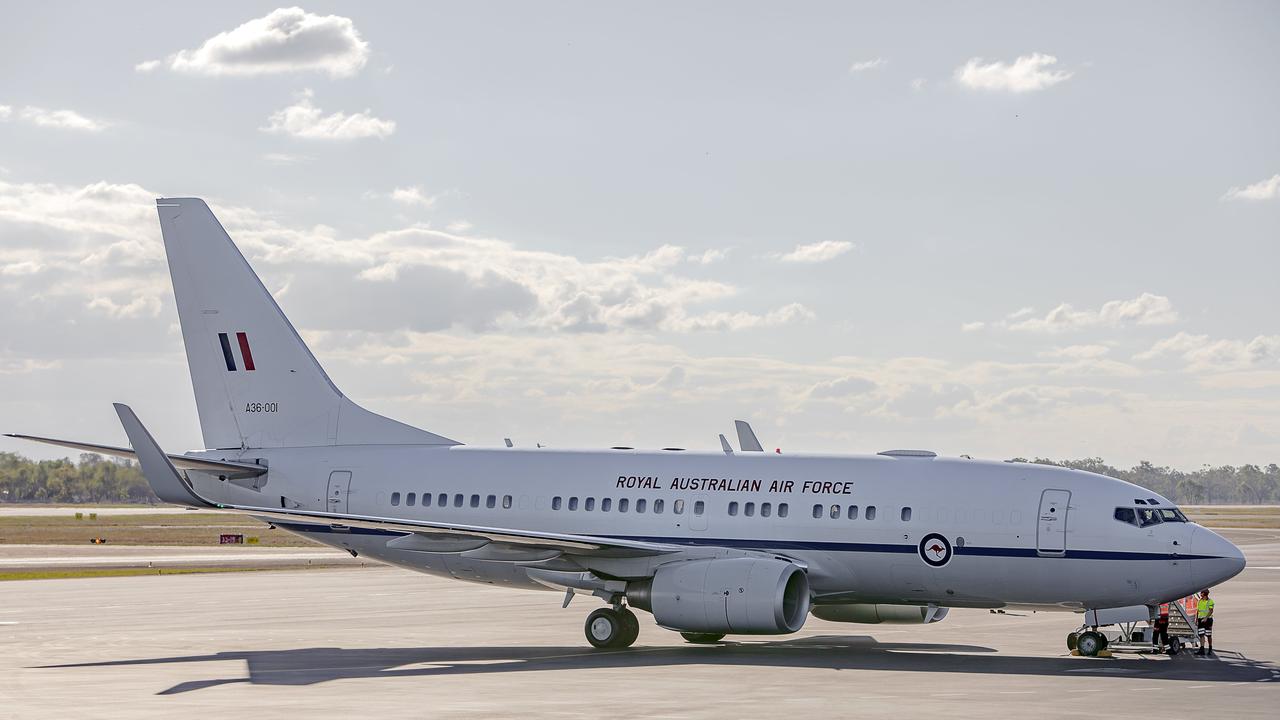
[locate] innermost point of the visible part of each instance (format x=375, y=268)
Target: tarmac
x=381, y=643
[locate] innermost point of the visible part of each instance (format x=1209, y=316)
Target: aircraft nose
x=1216, y=559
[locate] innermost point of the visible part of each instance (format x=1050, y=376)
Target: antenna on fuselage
x=507, y=441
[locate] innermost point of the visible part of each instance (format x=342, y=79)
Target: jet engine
x=757, y=596
x=873, y=614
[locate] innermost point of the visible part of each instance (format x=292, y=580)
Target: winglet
x=747, y=437
x=725, y=446
x=167, y=483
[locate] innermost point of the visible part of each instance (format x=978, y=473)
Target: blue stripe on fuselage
x=777, y=545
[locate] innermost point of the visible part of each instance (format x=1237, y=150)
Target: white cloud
x=5, y=112
x=821, y=251
x=1268, y=189
x=708, y=257
x=867, y=65
x=304, y=120
x=285, y=158
x=1200, y=352
x=142, y=305
x=413, y=196
x=1077, y=352
x=918, y=84
x=24, y=267
x=1027, y=73
x=1146, y=309
x=62, y=119
x=103, y=242
x=458, y=226
x=973, y=326
x=285, y=40
x=147, y=66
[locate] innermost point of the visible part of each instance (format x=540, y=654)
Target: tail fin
x=256, y=383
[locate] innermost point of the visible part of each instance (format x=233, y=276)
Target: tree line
x=98, y=480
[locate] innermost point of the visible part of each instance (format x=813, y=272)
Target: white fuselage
x=1012, y=542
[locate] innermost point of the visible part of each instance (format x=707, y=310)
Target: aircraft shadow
x=308, y=666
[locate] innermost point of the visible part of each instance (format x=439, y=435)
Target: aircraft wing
x=171, y=486
x=183, y=462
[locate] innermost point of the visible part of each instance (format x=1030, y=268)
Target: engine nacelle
x=756, y=596
x=873, y=614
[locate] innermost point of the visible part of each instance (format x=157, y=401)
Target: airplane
x=710, y=543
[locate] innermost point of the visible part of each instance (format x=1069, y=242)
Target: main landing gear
x=612, y=628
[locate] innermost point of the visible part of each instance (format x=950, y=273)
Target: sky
x=1000, y=229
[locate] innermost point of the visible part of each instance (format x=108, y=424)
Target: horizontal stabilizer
x=225, y=468
x=166, y=482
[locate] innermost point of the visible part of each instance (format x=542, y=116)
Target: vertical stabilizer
x=256, y=383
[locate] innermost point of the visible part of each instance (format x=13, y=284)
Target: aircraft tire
x=1071, y=640
x=1090, y=643
x=702, y=638
x=631, y=627
x=605, y=628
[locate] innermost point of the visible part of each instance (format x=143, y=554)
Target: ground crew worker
x=1161, y=626
x=1204, y=621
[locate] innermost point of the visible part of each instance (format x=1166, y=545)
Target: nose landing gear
x=612, y=628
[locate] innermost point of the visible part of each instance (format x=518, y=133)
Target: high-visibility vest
x=1203, y=608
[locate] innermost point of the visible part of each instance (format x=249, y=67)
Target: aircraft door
x=1051, y=522
x=339, y=489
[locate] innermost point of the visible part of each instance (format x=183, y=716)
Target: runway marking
x=1017, y=692
x=8, y=622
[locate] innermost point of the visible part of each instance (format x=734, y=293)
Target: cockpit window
x=1148, y=517
x=1127, y=515
x=1139, y=501
x=1173, y=515
x=1152, y=501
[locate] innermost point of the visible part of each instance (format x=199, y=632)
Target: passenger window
x=871, y=512
x=591, y=504
x=605, y=504
x=442, y=499
x=426, y=499
x=555, y=503
x=622, y=504
x=699, y=507
x=640, y=505
x=1127, y=515
x=677, y=507
x=749, y=509
x=395, y=498
x=835, y=511
x=733, y=508
x=657, y=506
x=506, y=502
x=764, y=509
x=783, y=509
x=491, y=501
x=573, y=503
x=475, y=501
x=411, y=499
x=817, y=511
x=906, y=514
x=457, y=500
x=853, y=512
